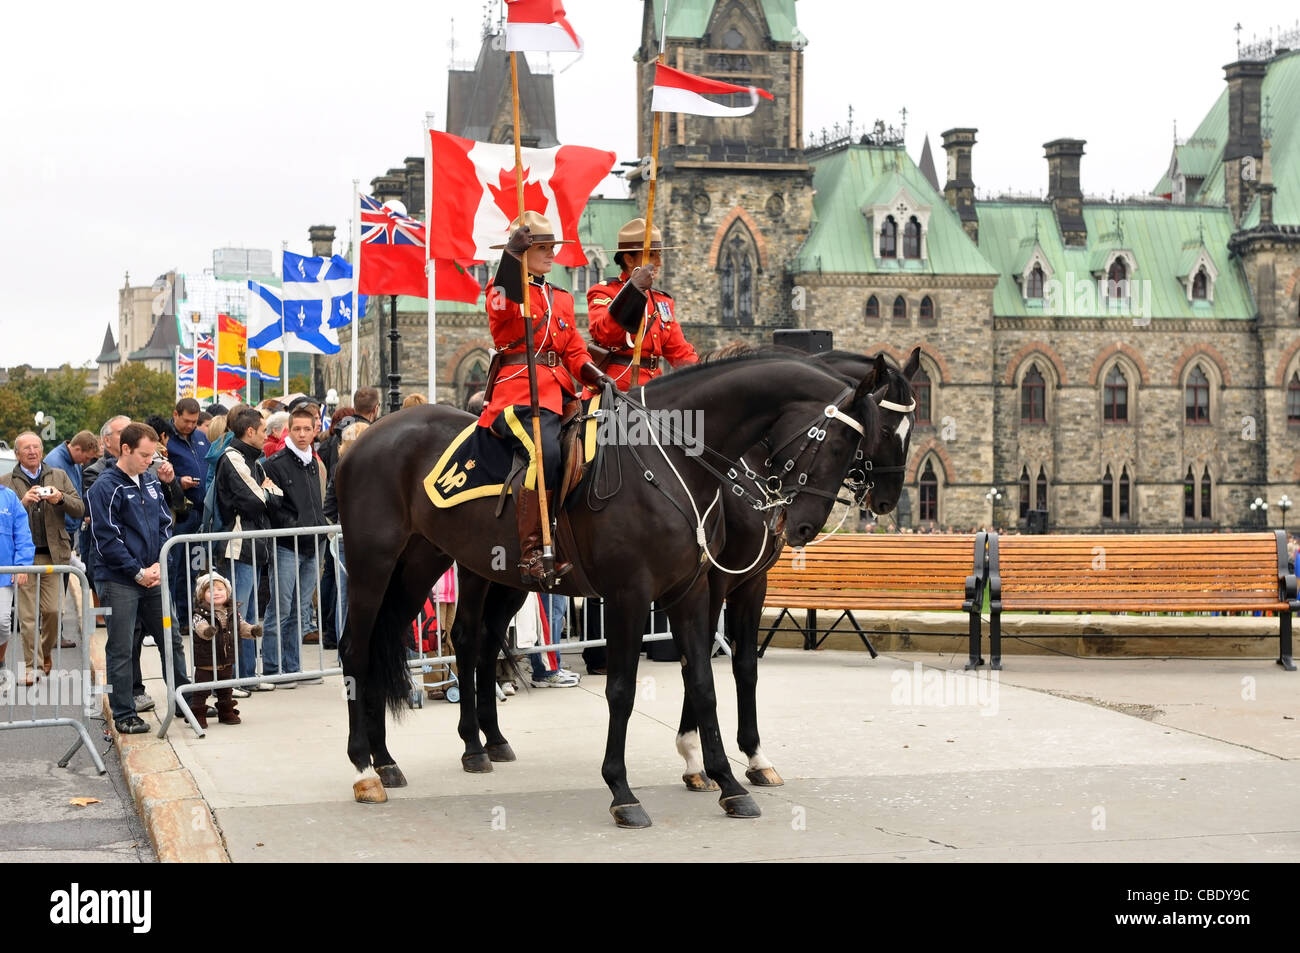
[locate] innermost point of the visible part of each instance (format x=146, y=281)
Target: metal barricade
x=284, y=567
x=61, y=687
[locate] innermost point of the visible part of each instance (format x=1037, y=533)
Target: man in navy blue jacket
x=187, y=451
x=129, y=523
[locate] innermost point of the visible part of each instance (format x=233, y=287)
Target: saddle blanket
x=476, y=463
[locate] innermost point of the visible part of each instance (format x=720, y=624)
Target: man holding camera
x=50, y=500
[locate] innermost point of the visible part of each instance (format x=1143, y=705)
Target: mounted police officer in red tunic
x=560, y=355
x=615, y=309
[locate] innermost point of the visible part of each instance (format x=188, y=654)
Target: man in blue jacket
x=129, y=523
x=187, y=452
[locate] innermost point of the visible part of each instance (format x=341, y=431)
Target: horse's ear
x=913, y=363
x=876, y=376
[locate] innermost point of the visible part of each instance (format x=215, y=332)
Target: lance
x=526, y=311
x=649, y=211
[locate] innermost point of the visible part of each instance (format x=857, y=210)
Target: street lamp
x=332, y=400
x=1260, y=506
x=994, y=496
x=1284, y=504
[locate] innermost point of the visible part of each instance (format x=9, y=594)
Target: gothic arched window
x=1125, y=511
x=475, y=381
x=1293, y=400
x=1108, y=496
x=873, y=308
x=1034, y=285
x=1033, y=397
x=929, y=492
x=1206, y=509
x=900, y=308
x=927, y=310
x=1040, y=490
x=1114, y=408
x=921, y=391
x=1196, y=397
x=1201, y=285
x=737, y=265
x=889, y=238
x=1117, y=281
x=1189, y=495
x=912, y=238
x=1024, y=493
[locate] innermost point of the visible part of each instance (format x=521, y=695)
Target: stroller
x=439, y=666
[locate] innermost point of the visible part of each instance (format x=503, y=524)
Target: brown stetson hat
x=539, y=226
x=631, y=237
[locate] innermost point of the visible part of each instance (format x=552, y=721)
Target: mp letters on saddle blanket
x=477, y=463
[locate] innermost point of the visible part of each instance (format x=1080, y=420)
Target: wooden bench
x=1201, y=572
x=862, y=571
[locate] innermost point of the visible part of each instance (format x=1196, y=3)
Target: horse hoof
x=740, y=805
x=391, y=776
x=476, y=763
x=369, y=791
x=630, y=816
x=699, y=782
x=764, y=777
x=501, y=752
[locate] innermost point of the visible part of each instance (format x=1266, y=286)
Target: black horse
x=641, y=539
x=752, y=547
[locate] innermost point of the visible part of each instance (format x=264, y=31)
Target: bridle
x=859, y=480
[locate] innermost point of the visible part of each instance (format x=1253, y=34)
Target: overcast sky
x=139, y=136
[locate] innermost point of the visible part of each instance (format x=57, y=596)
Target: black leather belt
x=545, y=359
x=650, y=362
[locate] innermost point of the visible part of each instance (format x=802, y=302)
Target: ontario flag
x=539, y=25
x=679, y=92
x=394, y=248
x=474, y=199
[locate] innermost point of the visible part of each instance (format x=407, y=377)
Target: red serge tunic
x=663, y=335
x=553, y=330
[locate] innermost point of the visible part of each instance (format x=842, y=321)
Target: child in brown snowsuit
x=216, y=618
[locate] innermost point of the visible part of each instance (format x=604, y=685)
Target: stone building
x=1116, y=365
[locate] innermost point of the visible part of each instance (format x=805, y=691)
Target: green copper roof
x=1281, y=93
x=1200, y=155
x=858, y=176
x=1159, y=237
x=689, y=19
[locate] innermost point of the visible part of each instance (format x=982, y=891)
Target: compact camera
x=46, y=491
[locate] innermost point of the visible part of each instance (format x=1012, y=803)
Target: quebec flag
x=315, y=301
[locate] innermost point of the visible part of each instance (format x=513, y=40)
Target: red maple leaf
x=535, y=199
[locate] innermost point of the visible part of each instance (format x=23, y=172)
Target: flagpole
x=649, y=208
x=216, y=352
x=429, y=267
x=284, y=338
x=356, y=274
x=525, y=310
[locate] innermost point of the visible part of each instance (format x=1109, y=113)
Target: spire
x=926, y=165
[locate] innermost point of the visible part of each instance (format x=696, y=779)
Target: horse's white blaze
x=758, y=761
x=688, y=746
x=365, y=775
x=902, y=430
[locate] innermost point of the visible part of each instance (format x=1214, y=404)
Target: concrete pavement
x=901, y=758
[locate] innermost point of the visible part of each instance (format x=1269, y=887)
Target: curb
x=179, y=820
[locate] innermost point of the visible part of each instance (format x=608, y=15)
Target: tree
x=15, y=413
x=61, y=395
x=136, y=392
x=300, y=384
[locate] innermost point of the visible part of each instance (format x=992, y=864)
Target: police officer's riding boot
x=528, y=517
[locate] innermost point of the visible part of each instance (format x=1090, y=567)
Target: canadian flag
x=539, y=25
x=679, y=92
x=474, y=198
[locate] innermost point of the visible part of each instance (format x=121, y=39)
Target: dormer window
x=1034, y=283
x=912, y=238
x=1117, y=281
x=1200, y=285
x=889, y=238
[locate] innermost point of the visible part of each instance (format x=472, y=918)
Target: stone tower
x=734, y=193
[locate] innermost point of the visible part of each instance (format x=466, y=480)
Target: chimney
x=960, y=188
x=1063, y=188
x=1244, y=151
x=322, y=240
x=386, y=187
x=1266, y=188
x=414, y=185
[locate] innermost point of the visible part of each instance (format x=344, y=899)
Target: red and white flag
x=474, y=199
x=679, y=92
x=539, y=25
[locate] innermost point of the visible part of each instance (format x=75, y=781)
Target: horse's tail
x=390, y=679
